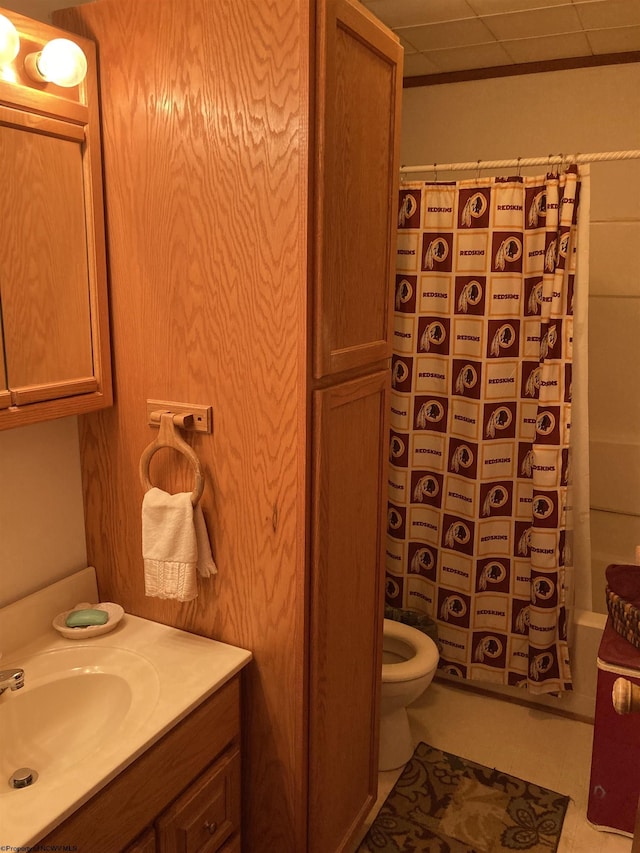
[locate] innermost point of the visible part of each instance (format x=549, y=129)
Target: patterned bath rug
x=445, y=804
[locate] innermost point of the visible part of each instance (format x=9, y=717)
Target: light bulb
x=9, y=41
x=60, y=61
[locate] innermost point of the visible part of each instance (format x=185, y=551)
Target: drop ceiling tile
x=458, y=34
x=608, y=13
x=408, y=47
x=492, y=7
x=416, y=64
x=538, y=22
x=615, y=40
x=413, y=13
x=477, y=56
x=549, y=47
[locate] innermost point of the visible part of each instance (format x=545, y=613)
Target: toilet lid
x=425, y=657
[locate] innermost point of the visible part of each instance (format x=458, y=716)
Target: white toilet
x=409, y=661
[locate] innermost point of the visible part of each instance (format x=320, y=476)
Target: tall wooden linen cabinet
x=250, y=165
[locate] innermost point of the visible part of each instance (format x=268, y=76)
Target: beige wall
x=577, y=111
x=41, y=515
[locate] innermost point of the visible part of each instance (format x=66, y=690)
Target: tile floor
x=532, y=744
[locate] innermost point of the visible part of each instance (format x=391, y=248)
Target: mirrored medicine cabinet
x=54, y=337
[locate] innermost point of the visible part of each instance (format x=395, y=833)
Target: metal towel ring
x=169, y=437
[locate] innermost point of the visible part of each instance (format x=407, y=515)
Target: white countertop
x=189, y=668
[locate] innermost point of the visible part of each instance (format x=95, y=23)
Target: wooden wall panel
x=204, y=130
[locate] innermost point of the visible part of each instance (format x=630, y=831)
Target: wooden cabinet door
x=53, y=277
x=359, y=85
x=349, y=473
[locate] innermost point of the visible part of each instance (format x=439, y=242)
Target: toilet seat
x=425, y=653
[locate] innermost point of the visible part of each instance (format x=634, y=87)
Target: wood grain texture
x=43, y=258
x=210, y=128
x=204, y=127
x=350, y=452
x=358, y=93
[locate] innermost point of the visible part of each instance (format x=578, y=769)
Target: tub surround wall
x=554, y=113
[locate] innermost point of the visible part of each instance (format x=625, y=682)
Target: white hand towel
x=173, y=539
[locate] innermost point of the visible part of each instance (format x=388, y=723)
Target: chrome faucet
x=12, y=679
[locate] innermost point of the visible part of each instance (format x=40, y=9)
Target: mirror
x=53, y=309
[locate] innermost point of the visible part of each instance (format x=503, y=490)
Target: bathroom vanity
x=182, y=794
x=134, y=735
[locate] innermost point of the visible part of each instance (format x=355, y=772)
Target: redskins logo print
x=563, y=245
x=550, y=256
x=397, y=447
x=392, y=588
x=473, y=209
x=523, y=620
x=545, y=423
x=435, y=333
x=526, y=469
x=535, y=298
x=394, y=519
x=408, y=207
x=404, y=292
x=493, y=572
x=454, y=606
x=532, y=385
x=399, y=373
x=488, y=647
x=467, y=379
x=462, y=458
x=422, y=560
x=437, y=252
x=542, y=507
x=457, y=534
x=540, y=665
x=524, y=543
x=537, y=209
x=429, y=413
x=499, y=419
x=548, y=341
x=542, y=589
x=471, y=294
x=503, y=338
x=496, y=497
x=452, y=669
x=426, y=487
x=509, y=251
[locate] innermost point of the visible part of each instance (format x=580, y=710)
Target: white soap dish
x=115, y=615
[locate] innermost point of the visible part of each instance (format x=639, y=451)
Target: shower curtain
x=480, y=422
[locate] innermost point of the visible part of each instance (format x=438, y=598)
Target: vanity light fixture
x=60, y=61
x=9, y=41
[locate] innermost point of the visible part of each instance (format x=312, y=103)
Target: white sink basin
x=75, y=702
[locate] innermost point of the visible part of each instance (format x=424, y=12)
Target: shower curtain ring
x=478, y=171
x=519, y=169
x=435, y=171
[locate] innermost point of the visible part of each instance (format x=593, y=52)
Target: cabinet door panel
x=350, y=473
x=358, y=101
x=45, y=292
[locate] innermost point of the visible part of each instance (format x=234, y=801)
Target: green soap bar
x=84, y=618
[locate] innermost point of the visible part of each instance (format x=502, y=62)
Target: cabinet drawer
x=207, y=813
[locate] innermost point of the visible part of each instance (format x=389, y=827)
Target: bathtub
x=584, y=639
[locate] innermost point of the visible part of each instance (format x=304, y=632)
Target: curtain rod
x=550, y=160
